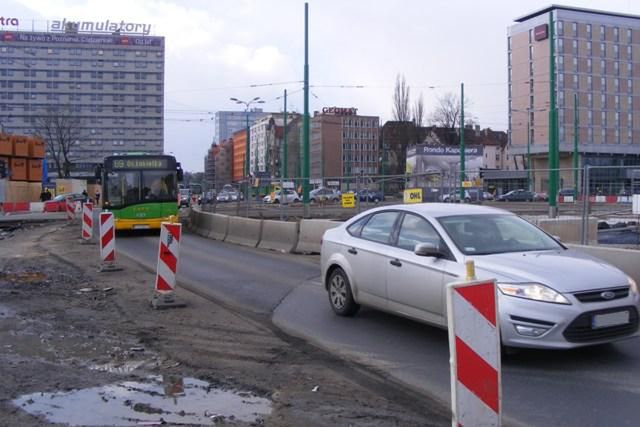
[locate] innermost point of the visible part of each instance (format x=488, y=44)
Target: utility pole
x=575, y=145
x=553, y=125
x=285, y=154
x=305, y=120
x=529, y=150
x=462, y=171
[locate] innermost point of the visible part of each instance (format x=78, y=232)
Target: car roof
x=443, y=209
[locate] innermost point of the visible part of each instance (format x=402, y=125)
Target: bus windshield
x=131, y=187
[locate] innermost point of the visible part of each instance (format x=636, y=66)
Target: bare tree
x=60, y=128
x=401, y=111
x=447, y=112
x=418, y=112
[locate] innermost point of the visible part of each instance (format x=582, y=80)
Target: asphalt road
x=589, y=387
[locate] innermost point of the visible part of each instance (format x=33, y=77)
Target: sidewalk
x=33, y=216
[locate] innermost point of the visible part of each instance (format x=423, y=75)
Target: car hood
x=562, y=270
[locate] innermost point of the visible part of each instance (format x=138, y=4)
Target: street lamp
x=529, y=110
x=255, y=100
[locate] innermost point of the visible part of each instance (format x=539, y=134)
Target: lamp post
x=247, y=104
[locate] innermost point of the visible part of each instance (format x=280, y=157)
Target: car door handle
x=352, y=251
x=396, y=263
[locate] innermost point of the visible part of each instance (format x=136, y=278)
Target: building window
x=575, y=81
x=588, y=31
x=616, y=85
x=616, y=51
x=590, y=100
x=616, y=101
x=560, y=28
x=589, y=65
x=629, y=35
x=629, y=69
x=603, y=101
x=603, y=135
x=574, y=29
x=603, y=50
x=590, y=117
x=590, y=135
x=616, y=68
x=603, y=119
x=589, y=49
x=560, y=45
x=574, y=47
x=630, y=86
x=629, y=50
x=602, y=32
x=603, y=84
x=575, y=64
x=616, y=34
x=603, y=67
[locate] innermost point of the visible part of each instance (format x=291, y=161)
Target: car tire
x=340, y=295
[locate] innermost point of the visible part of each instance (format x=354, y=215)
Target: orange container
x=6, y=147
x=20, y=146
x=34, y=173
x=36, y=148
x=18, y=169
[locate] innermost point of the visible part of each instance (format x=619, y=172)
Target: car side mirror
x=428, y=249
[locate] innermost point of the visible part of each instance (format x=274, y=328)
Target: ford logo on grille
x=608, y=295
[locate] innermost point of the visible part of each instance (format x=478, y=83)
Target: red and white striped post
x=87, y=221
x=71, y=210
x=107, y=243
x=474, y=343
x=168, y=253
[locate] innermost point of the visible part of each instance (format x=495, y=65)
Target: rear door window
x=380, y=227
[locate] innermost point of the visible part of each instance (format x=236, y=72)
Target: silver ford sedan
x=400, y=258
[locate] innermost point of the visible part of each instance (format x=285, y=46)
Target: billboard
x=445, y=159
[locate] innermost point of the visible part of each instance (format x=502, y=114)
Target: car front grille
x=596, y=296
x=580, y=330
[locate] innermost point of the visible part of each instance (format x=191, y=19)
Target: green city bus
x=140, y=189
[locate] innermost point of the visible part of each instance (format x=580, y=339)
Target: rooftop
x=574, y=9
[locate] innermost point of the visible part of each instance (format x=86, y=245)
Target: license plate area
x=141, y=227
x=610, y=319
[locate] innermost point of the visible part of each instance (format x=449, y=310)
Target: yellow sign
x=478, y=182
x=467, y=184
x=348, y=200
x=413, y=195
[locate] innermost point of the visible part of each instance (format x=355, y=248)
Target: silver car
x=400, y=258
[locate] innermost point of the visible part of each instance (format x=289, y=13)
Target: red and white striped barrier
x=474, y=343
x=87, y=221
x=71, y=209
x=168, y=253
x=107, y=243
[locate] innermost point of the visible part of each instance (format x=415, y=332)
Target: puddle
x=174, y=400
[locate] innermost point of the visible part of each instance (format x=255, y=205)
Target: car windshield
x=491, y=234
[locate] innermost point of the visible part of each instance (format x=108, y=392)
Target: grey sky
x=217, y=49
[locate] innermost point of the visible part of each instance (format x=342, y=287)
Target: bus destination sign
x=140, y=164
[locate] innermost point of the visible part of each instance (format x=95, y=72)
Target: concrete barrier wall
x=627, y=260
x=244, y=231
x=219, y=227
x=569, y=230
x=206, y=224
x=279, y=235
x=311, y=231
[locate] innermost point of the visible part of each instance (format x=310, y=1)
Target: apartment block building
x=597, y=70
x=343, y=143
x=112, y=84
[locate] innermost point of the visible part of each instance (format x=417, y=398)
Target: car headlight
x=633, y=286
x=533, y=291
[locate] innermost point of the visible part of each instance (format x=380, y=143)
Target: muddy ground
x=64, y=327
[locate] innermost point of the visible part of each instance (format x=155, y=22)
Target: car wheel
x=276, y=201
x=296, y=200
x=340, y=296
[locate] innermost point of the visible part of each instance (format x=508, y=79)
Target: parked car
x=400, y=259
x=324, y=194
x=517, y=196
x=470, y=195
x=290, y=196
x=367, y=195
x=185, y=198
x=541, y=196
x=566, y=192
x=59, y=203
x=228, y=196
x=487, y=196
